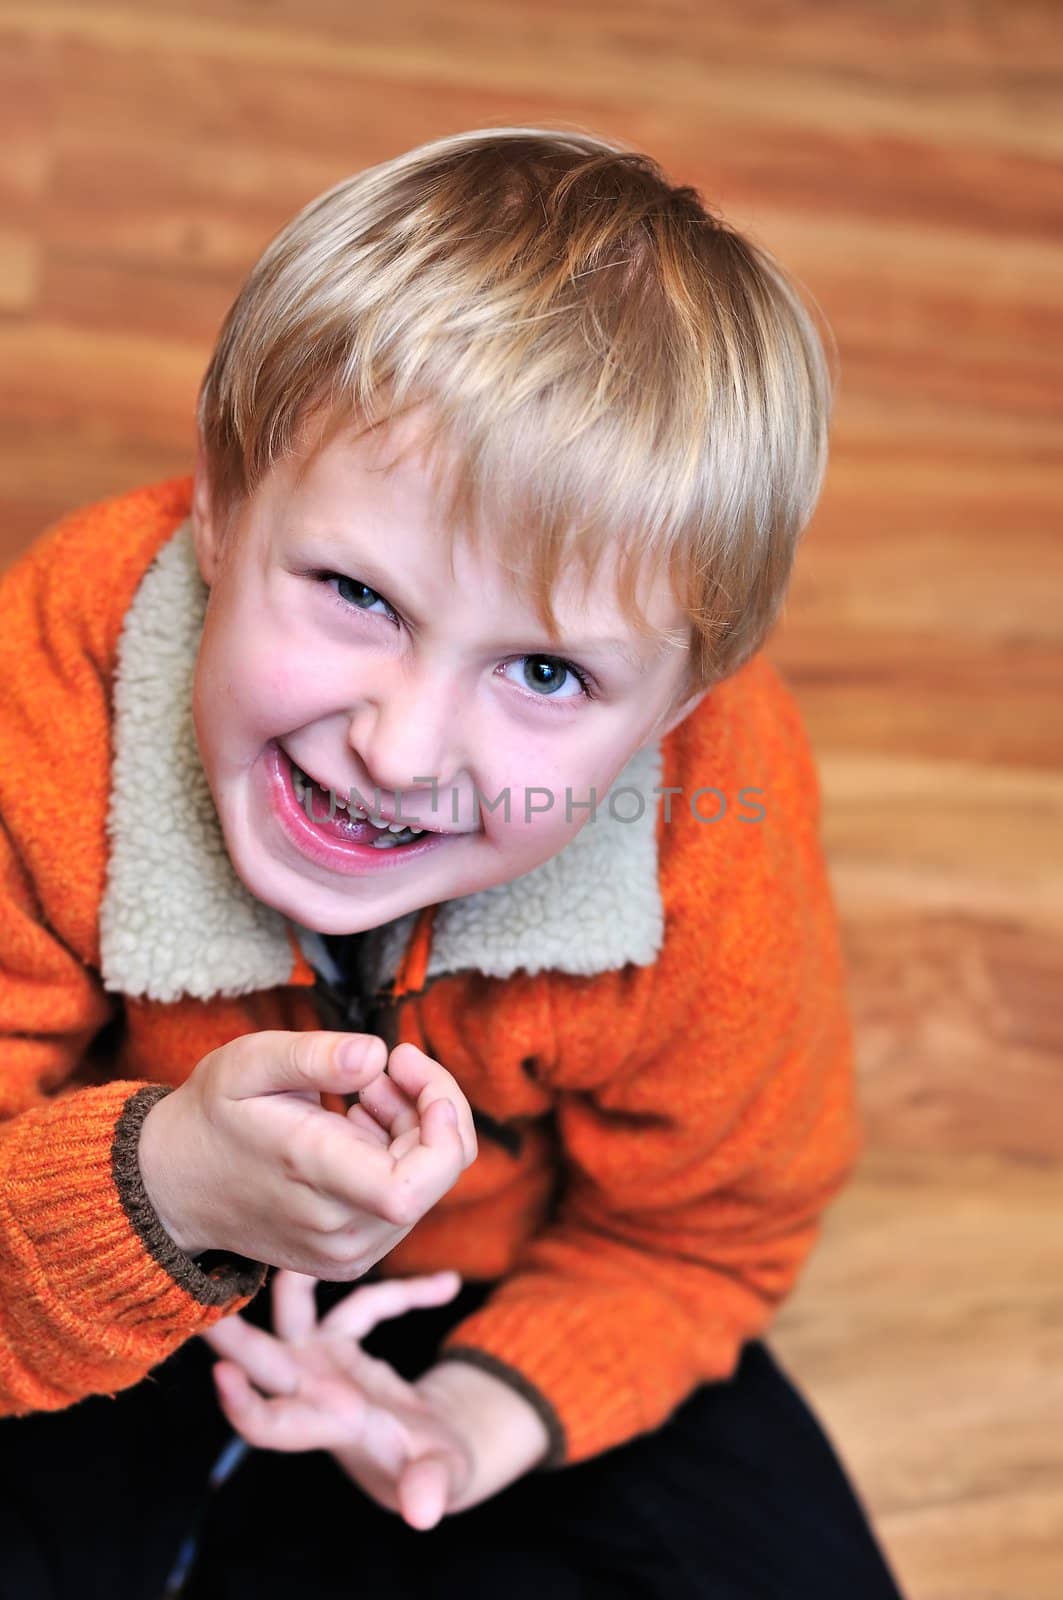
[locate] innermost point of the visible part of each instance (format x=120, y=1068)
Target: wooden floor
x=904, y=161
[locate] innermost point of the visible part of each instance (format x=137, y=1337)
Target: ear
x=205, y=531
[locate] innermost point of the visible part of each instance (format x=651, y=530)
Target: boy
x=438, y=694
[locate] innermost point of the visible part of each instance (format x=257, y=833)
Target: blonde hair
x=614, y=368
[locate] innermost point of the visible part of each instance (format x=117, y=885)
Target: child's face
x=336, y=637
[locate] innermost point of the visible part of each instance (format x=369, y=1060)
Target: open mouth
x=329, y=811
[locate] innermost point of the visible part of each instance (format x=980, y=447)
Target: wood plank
x=904, y=164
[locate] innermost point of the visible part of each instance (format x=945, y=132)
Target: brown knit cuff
x=558, y=1446
x=228, y=1276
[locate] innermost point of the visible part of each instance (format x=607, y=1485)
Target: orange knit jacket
x=652, y=1028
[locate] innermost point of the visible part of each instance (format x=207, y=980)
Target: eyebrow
x=613, y=647
x=326, y=547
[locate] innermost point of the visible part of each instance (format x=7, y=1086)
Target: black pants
x=738, y=1496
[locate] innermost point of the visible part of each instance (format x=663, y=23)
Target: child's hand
x=330, y=1395
x=243, y=1156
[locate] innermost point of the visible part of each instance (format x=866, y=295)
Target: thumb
x=424, y=1490
x=312, y=1062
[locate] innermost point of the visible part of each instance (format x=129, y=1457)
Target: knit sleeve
x=707, y=1114
x=89, y=1301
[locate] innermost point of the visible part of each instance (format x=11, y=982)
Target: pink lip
x=338, y=855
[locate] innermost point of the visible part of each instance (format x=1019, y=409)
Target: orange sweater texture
x=664, y=1137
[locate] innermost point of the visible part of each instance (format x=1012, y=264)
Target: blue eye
x=361, y=590
x=546, y=684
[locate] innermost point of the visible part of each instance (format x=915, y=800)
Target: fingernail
x=352, y=1053
x=449, y=1112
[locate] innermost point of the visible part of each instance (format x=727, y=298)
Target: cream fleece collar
x=176, y=919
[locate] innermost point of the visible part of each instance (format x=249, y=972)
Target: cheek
x=255, y=675
x=527, y=844
x=545, y=796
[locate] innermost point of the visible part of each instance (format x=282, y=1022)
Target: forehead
x=380, y=491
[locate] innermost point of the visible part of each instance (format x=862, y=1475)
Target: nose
x=406, y=732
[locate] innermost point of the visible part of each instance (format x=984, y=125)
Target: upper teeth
x=302, y=779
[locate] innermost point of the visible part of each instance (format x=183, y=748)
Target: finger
x=423, y=1491
x=334, y=1417
x=274, y=1061
x=367, y=1124
x=373, y=1376
x=329, y=1155
x=294, y=1306
x=358, y=1313
x=333, y=1156
x=433, y=1165
x=426, y=1161
x=406, y=1141
x=263, y=1358
x=389, y=1104
x=425, y=1080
